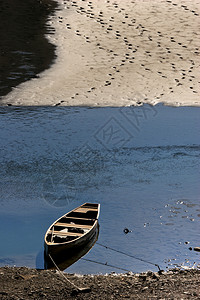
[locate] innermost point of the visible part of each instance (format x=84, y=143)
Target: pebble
x=197, y=249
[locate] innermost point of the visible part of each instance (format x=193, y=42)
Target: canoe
x=72, y=235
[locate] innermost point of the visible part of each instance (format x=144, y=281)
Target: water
x=141, y=164
x=25, y=52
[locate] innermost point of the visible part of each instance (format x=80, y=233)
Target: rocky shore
x=24, y=283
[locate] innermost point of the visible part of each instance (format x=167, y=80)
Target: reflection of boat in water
x=72, y=236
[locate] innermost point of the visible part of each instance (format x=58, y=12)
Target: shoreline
x=114, y=54
x=43, y=284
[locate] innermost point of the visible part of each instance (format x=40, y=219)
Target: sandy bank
x=119, y=53
x=24, y=283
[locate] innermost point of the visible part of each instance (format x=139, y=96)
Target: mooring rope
x=106, y=264
x=61, y=273
x=132, y=256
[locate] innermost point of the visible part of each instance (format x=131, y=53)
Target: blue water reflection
x=141, y=164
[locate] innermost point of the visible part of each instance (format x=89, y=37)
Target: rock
x=80, y=290
x=149, y=273
x=197, y=249
x=18, y=276
x=155, y=276
x=3, y=293
x=170, y=273
x=143, y=277
x=126, y=230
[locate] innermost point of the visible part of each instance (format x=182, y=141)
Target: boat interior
x=73, y=225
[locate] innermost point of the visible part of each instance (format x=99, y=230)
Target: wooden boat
x=72, y=235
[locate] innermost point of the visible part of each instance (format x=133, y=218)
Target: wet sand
x=114, y=53
x=24, y=283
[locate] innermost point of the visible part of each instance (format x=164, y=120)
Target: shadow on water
x=25, y=52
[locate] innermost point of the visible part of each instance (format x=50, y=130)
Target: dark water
x=141, y=165
x=24, y=50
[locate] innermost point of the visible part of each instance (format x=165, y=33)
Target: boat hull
x=66, y=256
x=66, y=253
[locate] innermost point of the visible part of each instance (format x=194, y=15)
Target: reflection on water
x=143, y=171
x=25, y=51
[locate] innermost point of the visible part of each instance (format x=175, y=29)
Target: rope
x=132, y=256
x=61, y=273
x=105, y=264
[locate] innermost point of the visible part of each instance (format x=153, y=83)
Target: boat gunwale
x=79, y=237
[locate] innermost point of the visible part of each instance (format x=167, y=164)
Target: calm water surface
x=141, y=165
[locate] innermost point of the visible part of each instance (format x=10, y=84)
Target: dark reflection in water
x=24, y=50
